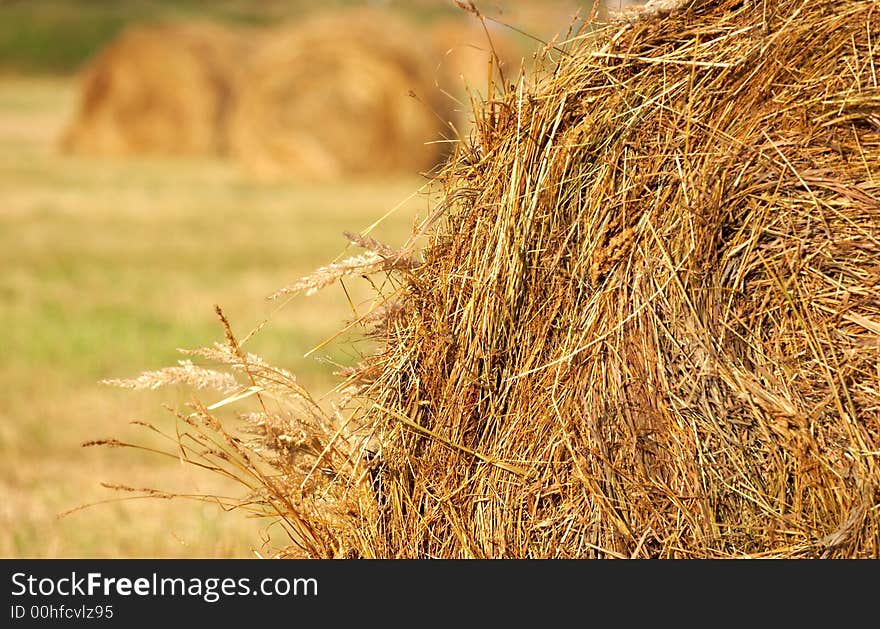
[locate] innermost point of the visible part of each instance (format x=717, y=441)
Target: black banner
x=134, y=592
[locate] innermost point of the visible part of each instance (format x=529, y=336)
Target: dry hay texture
x=340, y=94
x=647, y=322
x=158, y=89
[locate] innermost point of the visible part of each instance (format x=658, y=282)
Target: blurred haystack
x=647, y=323
x=344, y=93
x=163, y=89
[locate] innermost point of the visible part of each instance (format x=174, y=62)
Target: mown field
x=107, y=268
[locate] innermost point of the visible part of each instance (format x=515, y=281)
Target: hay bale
x=332, y=96
x=158, y=89
x=649, y=323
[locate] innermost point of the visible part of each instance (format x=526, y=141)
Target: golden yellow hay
x=345, y=93
x=161, y=89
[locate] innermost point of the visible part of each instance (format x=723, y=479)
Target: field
x=107, y=268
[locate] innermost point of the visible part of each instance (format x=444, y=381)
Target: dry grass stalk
x=184, y=373
x=652, y=298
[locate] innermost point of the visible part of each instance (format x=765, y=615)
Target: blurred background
x=158, y=157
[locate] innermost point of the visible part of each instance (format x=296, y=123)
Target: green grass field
x=107, y=268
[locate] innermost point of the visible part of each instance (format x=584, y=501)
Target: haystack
x=652, y=307
x=344, y=93
x=647, y=323
x=160, y=89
